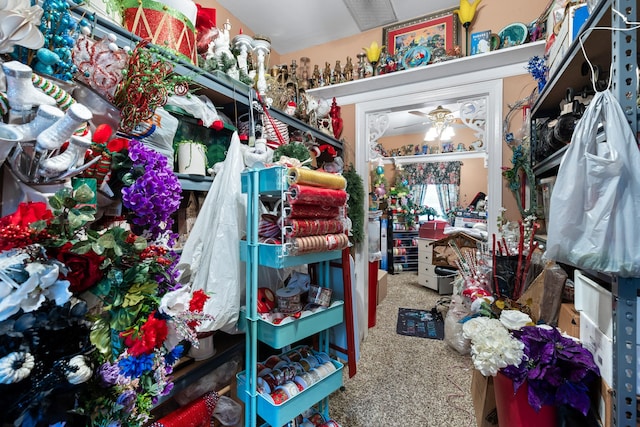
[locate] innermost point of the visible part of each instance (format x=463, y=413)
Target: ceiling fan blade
x=414, y=124
x=418, y=113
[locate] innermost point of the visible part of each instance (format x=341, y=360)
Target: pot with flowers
x=536, y=368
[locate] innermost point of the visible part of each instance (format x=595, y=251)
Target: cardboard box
x=569, y=320
x=600, y=345
x=602, y=403
x=382, y=285
x=595, y=301
x=484, y=400
x=572, y=22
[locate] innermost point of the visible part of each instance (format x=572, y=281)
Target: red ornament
x=102, y=134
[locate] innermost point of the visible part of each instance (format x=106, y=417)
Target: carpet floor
x=403, y=380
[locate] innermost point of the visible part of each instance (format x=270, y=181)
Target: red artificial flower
x=118, y=144
x=28, y=213
x=152, y=334
x=84, y=270
x=197, y=301
x=14, y=229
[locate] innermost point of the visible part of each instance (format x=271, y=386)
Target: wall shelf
x=495, y=60
x=435, y=158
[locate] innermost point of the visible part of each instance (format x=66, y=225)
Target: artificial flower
x=514, y=319
x=467, y=11
x=152, y=335
x=557, y=369
x=152, y=192
x=492, y=346
x=83, y=270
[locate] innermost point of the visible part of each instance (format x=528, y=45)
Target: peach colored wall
x=493, y=15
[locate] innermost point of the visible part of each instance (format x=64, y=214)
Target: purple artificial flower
x=109, y=374
x=155, y=195
x=127, y=399
x=556, y=368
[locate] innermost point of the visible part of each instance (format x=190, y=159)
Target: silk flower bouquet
x=556, y=368
x=91, y=313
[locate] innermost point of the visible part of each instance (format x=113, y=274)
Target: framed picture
x=438, y=32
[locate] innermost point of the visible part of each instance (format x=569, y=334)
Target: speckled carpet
x=403, y=380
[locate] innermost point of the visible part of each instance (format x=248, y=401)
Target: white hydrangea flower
x=492, y=346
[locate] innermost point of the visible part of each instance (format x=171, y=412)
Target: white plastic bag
x=210, y=258
x=453, y=328
x=596, y=199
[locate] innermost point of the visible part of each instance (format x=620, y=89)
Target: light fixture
x=441, y=119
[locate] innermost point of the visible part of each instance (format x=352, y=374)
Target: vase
x=192, y=158
x=514, y=409
x=205, y=349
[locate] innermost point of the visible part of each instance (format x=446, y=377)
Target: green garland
x=294, y=150
x=355, y=189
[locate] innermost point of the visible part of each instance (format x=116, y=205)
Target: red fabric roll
x=195, y=414
x=316, y=195
x=313, y=227
x=303, y=211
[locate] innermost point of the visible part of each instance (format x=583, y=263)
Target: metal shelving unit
x=618, y=48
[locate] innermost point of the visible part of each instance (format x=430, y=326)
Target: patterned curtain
x=444, y=175
x=433, y=173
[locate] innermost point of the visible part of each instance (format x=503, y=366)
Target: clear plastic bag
x=595, y=203
x=453, y=328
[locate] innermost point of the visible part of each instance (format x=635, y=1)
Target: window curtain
x=444, y=175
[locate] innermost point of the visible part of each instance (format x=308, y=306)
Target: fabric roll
x=317, y=178
x=315, y=195
x=195, y=414
x=313, y=244
x=312, y=227
x=306, y=211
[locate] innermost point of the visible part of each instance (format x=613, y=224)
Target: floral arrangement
x=92, y=319
x=556, y=368
x=147, y=81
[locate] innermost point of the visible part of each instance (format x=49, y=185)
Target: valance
x=433, y=173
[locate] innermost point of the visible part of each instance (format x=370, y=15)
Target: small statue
x=316, y=77
x=326, y=75
x=348, y=70
x=337, y=73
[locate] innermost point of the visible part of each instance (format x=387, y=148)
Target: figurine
x=348, y=70
x=337, y=73
x=316, y=77
x=326, y=75
x=361, y=65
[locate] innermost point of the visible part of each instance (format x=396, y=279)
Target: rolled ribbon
x=289, y=300
x=317, y=178
x=313, y=244
x=312, y=227
x=315, y=195
x=304, y=211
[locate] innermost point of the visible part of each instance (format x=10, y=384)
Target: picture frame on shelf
x=438, y=32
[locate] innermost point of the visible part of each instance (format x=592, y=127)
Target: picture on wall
x=421, y=40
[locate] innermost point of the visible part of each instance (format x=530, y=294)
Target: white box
x=595, y=301
x=601, y=346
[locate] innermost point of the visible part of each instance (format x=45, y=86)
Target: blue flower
x=134, y=367
x=175, y=354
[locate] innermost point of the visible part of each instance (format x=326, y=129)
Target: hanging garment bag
x=596, y=200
